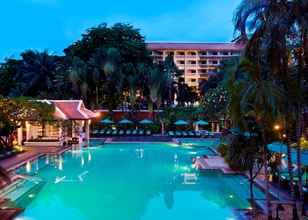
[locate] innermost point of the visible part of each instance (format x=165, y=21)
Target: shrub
x=223, y=149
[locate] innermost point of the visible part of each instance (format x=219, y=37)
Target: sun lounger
x=148, y=132
x=128, y=132
x=114, y=132
x=102, y=131
x=184, y=133
x=121, y=132
x=198, y=133
x=141, y=132
x=178, y=133
x=135, y=132
x=191, y=133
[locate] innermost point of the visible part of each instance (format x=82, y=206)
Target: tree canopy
x=108, y=67
x=14, y=112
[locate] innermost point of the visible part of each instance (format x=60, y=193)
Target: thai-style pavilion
x=71, y=122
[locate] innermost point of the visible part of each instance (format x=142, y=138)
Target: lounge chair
x=114, y=132
x=102, y=131
x=128, y=132
x=108, y=132
x=191, y=133
x=178, y=133
x=198, y=133
x=135, y=132
x=210, y=134
x=184, y=133
x=148, y=132
x=141, y=132
x=121, y=132
x=95, y=131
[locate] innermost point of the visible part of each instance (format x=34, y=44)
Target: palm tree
x=243, y=154
x=267, y=27
x=155, y=87
x=260, y=98
x=78, y=77
x=36, y=73
x=171, y=74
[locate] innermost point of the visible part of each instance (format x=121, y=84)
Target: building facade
x=196, y=61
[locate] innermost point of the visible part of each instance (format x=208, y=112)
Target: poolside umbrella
x=125, y=121
x=181, y=122
x=107, y=121
x=277, y=147
x=200, y=122
x=146, y=122
x=235, y=131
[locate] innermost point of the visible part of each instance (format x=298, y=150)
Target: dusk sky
x=54, y=24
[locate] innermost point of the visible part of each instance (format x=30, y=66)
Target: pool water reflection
x=134, y=182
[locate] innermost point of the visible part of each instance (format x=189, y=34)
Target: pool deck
x=30, y=154
x=213, y=163
x=9, y=213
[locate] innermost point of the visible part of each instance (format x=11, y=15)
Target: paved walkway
x=213, y=163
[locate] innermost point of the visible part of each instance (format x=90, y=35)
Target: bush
x=155, y=128
x=223, y=149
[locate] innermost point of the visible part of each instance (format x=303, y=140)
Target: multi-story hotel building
x=197, y=61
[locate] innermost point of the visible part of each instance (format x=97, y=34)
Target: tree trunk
x=299, y=118
x=251, y=188
x=290, y=170
x=96, y=93
x=298, y=152
x=4, y=142
x=266, y=176
x=151, y=108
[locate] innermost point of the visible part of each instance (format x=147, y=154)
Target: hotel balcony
x=200, y=57
x=203, y=75
x=203, y=65
x=179, y=56
x=213, y=55
x=191, y=65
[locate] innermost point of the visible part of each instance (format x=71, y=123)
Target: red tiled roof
x=72, y=109
x=194, y=46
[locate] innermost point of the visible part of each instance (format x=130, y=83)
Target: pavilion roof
x=71, y=110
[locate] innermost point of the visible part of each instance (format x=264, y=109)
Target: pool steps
x=21, y=191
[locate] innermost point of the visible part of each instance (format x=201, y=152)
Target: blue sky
x=54, y=24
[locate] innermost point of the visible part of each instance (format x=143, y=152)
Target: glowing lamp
x=277, y=127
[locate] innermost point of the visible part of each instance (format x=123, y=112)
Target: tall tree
x=267, y=27
x=32, y=75
x=14, y=112
x=112, y=57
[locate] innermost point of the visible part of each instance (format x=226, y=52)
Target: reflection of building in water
x=169, y=198
x=140, y=153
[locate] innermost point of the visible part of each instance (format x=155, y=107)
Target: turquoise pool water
x=133, y=182
x=213, y=142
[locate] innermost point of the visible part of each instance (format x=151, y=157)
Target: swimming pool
x=132, y=182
